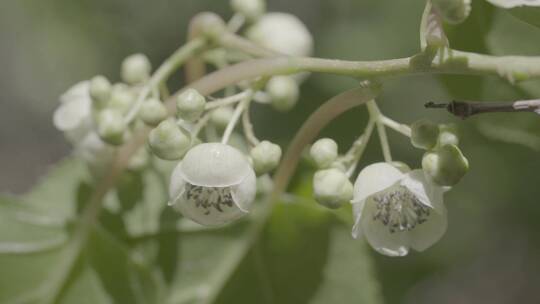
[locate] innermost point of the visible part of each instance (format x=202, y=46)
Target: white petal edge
x=379, y=236
x=514, y=3
x=244, y=194
x=375, y=178
x=428, y=233
x=425, y=190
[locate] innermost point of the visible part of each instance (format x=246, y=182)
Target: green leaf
x=40, y=263
x=531, y=15
x=305, y=255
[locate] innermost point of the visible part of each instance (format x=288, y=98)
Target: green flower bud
x=283, y=92
x=190, y=105
x=121, y=98
x=424, y=134
x=221, y=116
x=168, y=141
x=100, y=90
x=324, y=152
x=265, y=157
x=135, y=69
x=332, y=188
x=446, y=165
x=448, y=135
x=250, y=9
x=453, y=11
x=209, y=24
x=153, y=112
x=111, y=126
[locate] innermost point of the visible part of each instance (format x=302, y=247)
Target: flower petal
x=357, y=216
x=514, y=3
x=379, y=236
x=425, y=190
x=428, y=233
x=375, y=178
x=244, y=194
x=215, y=165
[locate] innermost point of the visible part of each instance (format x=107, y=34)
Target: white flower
x=74, y=115
x=213, y=185
x=514, y=3
x=95, y=153
x=397, y=211
x=283, y=33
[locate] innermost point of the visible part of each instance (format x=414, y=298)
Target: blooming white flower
x=74, y=118
x=397, y=211
x=283, y=33
x=74, y=115
x=213, y=185
x=514, y=3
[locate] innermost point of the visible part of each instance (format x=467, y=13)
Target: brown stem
x=311, y=128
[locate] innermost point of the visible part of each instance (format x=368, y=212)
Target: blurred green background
x=491, y=252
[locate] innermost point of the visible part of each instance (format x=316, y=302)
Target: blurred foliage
x=304, y=254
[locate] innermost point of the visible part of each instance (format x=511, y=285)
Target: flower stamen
x=400, y=210
x=208, y=197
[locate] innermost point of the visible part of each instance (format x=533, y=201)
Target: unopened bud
x=250, y=9
x=446, y=165
x=135, y=69
x=100, y=91
x=111, y=126
x=265, y=157
x=448, y=135
x=190, y=105
x=283, y=92
x=424, y=134
x=324, y=152
x=168, y=141
x=332, y=188
x=152, y=112
x=121, y=98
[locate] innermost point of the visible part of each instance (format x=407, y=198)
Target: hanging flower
x=397, y=211
x=74, y=115
x=213, y=185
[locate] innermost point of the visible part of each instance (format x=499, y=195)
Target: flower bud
x=424, y=134
x=152, y=112
x=283, y=92
x=209, y=24
x=121, y=98
x=111, y=126
x=283, y=33
x=448, y=135
x=332, y=188
x=453, y=11
x=324, y=152
x=250, y=9
x=100, y=90
x=446, y=165
x=265, y=157
x=221, y=116
x=135, y=69
x=190, y=105
x=168, y=141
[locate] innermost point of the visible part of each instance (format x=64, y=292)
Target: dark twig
x=464, y=109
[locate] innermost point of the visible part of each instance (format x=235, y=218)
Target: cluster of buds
x=215, y=176
x=394, y=207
